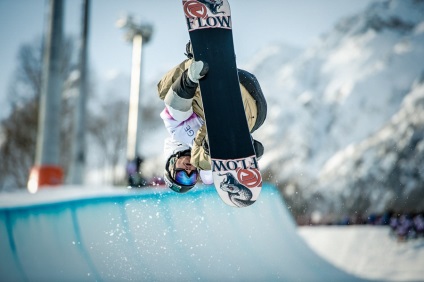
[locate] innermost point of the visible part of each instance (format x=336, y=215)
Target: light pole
x=138, y=35
x=47, y=170
x=78, y=156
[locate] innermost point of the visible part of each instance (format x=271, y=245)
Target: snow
x=58, y=194
x=116, y=233
x=368, y=251
x=374, y=160
x=153, y=234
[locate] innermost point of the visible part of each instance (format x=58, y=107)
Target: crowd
x=403, y=226
x=407, y=226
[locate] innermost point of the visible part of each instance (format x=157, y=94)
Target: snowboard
x=235, y=169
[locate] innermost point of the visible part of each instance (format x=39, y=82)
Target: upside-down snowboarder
x=186, y=150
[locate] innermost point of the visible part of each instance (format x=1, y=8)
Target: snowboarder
x=186, y=149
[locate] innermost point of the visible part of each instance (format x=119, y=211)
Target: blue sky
x=256, y=23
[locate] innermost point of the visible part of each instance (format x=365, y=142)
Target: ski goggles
x=183, y=178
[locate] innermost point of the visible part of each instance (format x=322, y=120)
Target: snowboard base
x=233, y=159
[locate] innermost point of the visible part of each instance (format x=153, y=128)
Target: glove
x=197, y=70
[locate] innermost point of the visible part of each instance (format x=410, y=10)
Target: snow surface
x=154, y=235
x=116, y=233
x=368, y=251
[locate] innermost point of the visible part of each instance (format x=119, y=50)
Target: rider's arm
x=179, y=97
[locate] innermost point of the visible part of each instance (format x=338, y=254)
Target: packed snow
x=370, y=252
x=153, y=234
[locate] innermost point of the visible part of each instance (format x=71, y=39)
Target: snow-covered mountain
x=385, y=169
x=345, y=121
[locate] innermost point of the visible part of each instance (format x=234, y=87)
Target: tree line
x=106, y=126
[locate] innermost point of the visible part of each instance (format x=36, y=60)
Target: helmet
x=178, y=179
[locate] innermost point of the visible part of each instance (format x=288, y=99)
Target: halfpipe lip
x=68, y=193
x=64, y=194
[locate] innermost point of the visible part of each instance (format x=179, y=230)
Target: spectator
x=419, y=225
x=404, y=228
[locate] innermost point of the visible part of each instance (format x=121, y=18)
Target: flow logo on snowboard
x=237, y=180
x=207, y=14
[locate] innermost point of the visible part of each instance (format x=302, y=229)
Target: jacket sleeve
x=170, y=77
x=199, y=157
x=180, y=97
